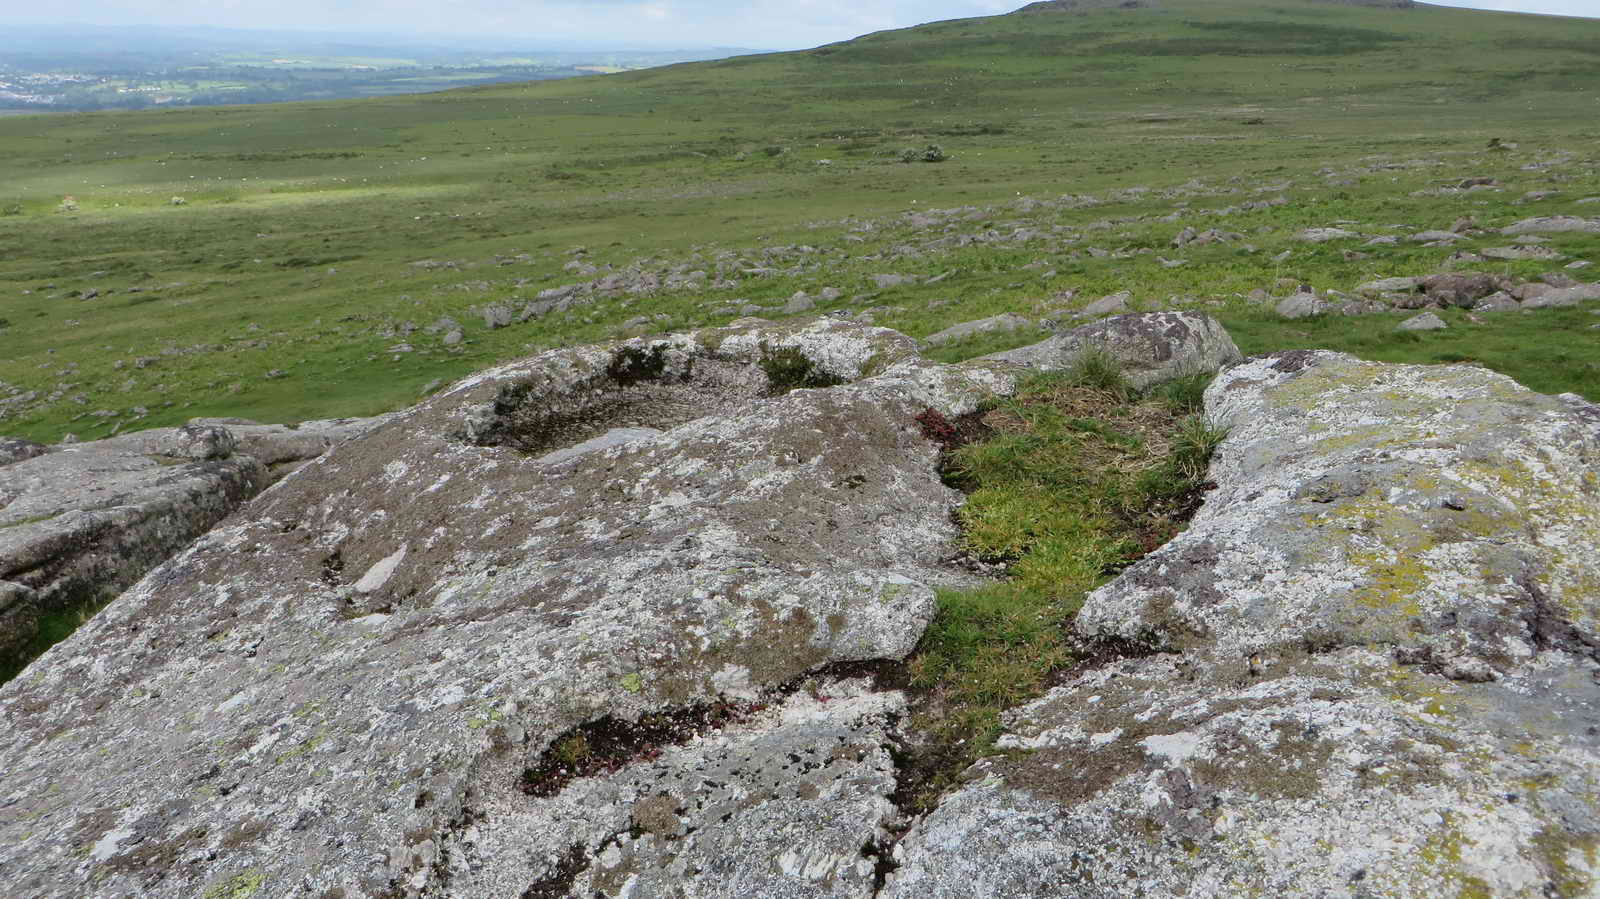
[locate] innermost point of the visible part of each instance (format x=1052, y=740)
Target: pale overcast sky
x=774, y=24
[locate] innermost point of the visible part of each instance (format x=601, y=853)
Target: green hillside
x=315, y=240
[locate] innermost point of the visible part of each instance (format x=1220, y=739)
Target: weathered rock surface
x=1369, y=667
x=281, y=445
x=15, y=449
x=340, y=687
x=1371, y=670
x=1151, y=347
x=81, y=522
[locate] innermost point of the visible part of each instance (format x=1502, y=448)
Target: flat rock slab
x=338, y=688
x=1367, y=668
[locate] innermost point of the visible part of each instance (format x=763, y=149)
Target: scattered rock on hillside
x=1427, y=321
x=1555, y=297
x=1435, y=237
x=1460, y=288
x=1005, y=321
x=1553, y=224
x=497, y=315
x=1375, y=634
x=1109, y=304
x=1499, y=301
x=798, y=303
x=1385, y=285
x=1151, y=347
x=1323, y=235
x=1301, y=305
x=1363, y=307
x=1525, y=251
x=887, y=281
x=279, y=445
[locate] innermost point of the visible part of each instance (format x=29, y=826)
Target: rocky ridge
x=591, y=624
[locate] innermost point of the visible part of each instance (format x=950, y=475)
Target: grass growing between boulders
x=53, y=628
x=1078, y=476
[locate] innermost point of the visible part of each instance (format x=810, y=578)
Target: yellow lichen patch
x=1434, y=697
x=1396, y=579
x=1572, y=860
x=1442, y=855
x=239, y=886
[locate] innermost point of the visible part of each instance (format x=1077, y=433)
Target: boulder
x=82, y=522
x=1460, y=288
x=1498, y=301
x=1323, y=235
x=799, y=303
x=1553, y=224
x=1302, y=305
x=280, y=447
x=1368, y=667
x=1528, y=251
x=1109, y=304
x=1151, y=347
x=1553, y=297
x=1386, y=285
x=1005, y=321
x=1427, y=321
x=1362, y=307
x=1435, y=237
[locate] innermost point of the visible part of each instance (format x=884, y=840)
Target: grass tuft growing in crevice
x=1079, y=476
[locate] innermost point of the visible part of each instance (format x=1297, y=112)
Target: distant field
x=317, y=245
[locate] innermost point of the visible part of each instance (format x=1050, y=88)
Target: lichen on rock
x=1373, y=666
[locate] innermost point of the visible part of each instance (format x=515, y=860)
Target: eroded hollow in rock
x=640, y=387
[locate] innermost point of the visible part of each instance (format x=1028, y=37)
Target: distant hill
x=1049, y=6
x=365, y=232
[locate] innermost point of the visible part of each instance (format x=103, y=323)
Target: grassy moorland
x=295, y=261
